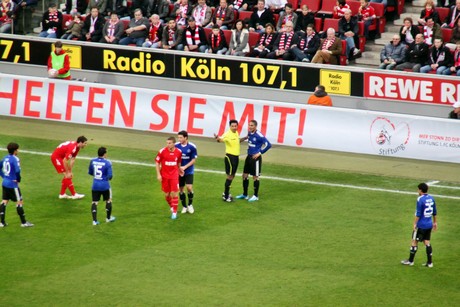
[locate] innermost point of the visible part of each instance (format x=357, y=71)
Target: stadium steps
x=371, y=57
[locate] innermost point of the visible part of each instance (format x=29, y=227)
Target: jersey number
x=428, y=212
x=6, y=168
x=98, y=172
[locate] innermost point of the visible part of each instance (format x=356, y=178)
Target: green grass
x=300, y=245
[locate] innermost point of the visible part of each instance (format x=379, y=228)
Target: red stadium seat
x=446, y=34
x=380, y=14
x=443, y=12
x=253, y=39
x=327, y=8
x=362, y=38
x=354, y=6
x=295, y=4
x=313, y=5
x=318, y=24
x=228, y=35
x=331, y=23
x=245, y=15
x=65, y=18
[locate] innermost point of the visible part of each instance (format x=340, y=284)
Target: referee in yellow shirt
x=232, y=141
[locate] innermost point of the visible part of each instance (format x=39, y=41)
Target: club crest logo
x=388, y=138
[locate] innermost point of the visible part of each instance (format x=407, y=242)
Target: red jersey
x=367, y=11
x=170, y=162
x=67, y=150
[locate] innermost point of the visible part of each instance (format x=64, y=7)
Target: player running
x=189, y=155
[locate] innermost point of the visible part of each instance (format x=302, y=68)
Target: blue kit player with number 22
x=101, y=169
x=424, y=222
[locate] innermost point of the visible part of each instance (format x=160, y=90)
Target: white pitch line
x=338, y=185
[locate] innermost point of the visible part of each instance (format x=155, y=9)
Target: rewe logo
x=387, y=138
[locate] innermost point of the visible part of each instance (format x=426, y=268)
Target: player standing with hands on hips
x=63, y=159
x=189, y=155
x=101, y=170
x=424, y=222
x=168, y=168
x=10, y=171
x=232, y=141
x=257, y=145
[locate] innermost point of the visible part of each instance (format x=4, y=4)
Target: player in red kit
x=63, y=159
x=168, y=169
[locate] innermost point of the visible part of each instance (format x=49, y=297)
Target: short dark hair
x=253, y=121
x=423, y=187
x=58, y=44
x=289, y=5
x=183, y=133
x=101, y=151
x=321, y=87
x=171, y=138
x=81, y=139
x=12, y=147
x=232, y=121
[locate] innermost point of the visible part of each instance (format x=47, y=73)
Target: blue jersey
x=426, y=209
x=10, y=171
x=189, y=153
x=257, y=142
x=101, y=170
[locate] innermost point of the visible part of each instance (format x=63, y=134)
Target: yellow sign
x=74, y=53
x=336, y=82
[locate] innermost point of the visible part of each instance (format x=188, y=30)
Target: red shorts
x=58, y=164
x=170, y=185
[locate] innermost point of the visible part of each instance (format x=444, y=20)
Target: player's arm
x=158, y=169
x=91, y=169
x=415, y=222
x=184, y=167
x=18, y=172
x=435, y=223
x=109, y=171
x=243, y=139
x=265, y=146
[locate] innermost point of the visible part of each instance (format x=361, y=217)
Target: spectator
x=143, y=5
x=392, y=54
x=446, y=3
x=439, y=58
x=181, y=11
x=454, y=37
x=138, y=30
x=284, y=43
x=51, y=22
x=242, y=5
x=453, y=16
x=195, y=38
x=408, y=31
x=155, y=32
x=74, y=28
x=202, y=14
x=329, y=49
x=265, y=43
x=339, y=9
x=428, y=11
x=260, y=17
x=24, y=14
x=101, y=5
x=307, y=45
x=289, y=15
x=217, y=43
x=118, y=7
x=455, y=68
x=455, y=113
x=173, y=36
x=113, y=30
x=239, y=41
x=223, y=16
x=159, y=7
x=384, y=2
x=6, y=16
x=431, y=31
x=305, y=17
x=78, y=6
x=367, y=14
x=92, y=26
x=320, y=97
x=416, y=55
x=348, y=31
x=276, y=6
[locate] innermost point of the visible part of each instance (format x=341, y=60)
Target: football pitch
x=316, y=237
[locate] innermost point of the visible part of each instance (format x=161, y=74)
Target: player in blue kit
x=424, y=222
x=101, y=169
x=257, y=145
x=189, y=155
x=10, y=171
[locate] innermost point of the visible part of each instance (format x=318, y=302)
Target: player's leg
x=413, y=249
x=59, y=166
x=96, y=196
x=19, y=209
x=182, y=196
x=5, y=199
x=256, y=168
x=429, y=254
x=108, y=206
x=174, y=191
x=246, y=170
x=165, y=188
x=190, y=194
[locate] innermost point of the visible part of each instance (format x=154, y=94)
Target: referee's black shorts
x=253, y=166
x=231, y=164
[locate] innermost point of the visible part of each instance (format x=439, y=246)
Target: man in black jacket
x=307, y=44
x=260, y=17
x=416, y=55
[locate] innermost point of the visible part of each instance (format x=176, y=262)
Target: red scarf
x=221, y=13
x=428, y=38
x=183, y=10
x=266, y=39
x=285, y=44
x=428, y=13
x=153, y=37
x=237, y=4
x=111, y=29
x=215, y=40
x=200, y=15
x=304, y=42
x=328, y=43
x=286, y=19
x=171, y=36
x=4, y=17
x=196, y=37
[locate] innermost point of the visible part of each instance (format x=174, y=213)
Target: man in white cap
x=455, y=113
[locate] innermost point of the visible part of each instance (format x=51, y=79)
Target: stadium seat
x=327, y=9
x=228, y=35
x=362, y=38
x=313, y=5
x=381, y=19
x=331, y=23
x=318, y=24
x=245, y=15
x=443, y=12
x=253, y=39
x=354, y=6
x=446, y=34
x=295, y=4
x=65, y=18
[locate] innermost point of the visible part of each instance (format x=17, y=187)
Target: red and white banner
x=282, y=123
x=411, y=88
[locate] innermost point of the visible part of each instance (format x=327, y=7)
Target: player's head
x=170, y=142
x=82, y=141
x=182, y=136
x=233, y=123
x=423, y=188
x=12, y=147
x=101, y=152
x=252, y=125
